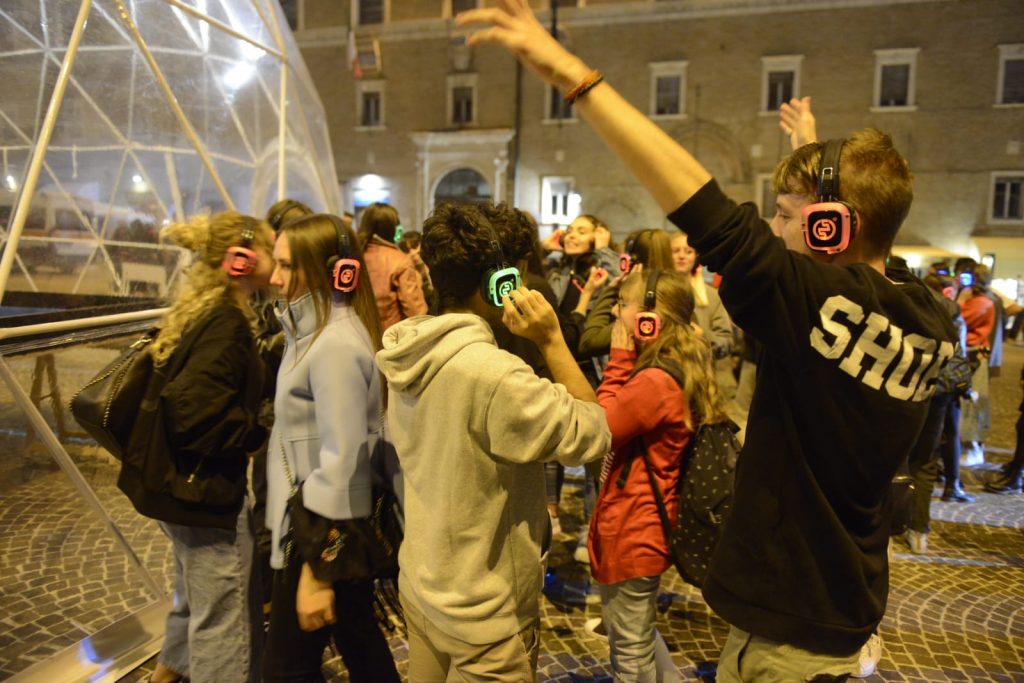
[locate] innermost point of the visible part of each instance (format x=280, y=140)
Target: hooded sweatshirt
x=472, y=425
x=851, y=357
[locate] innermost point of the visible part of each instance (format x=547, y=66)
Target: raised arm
x=661, y=165
x=797, y=121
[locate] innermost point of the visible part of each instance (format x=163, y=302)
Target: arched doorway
x=462, y=185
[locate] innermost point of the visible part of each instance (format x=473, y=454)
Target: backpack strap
x=666, y=525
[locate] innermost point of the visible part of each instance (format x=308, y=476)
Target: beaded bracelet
x=584, y=86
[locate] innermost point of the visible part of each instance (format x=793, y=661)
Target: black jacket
x=850, y=358
x=186, y=461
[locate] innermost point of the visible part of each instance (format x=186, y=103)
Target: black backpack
x=706, y=483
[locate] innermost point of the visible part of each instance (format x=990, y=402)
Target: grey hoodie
x=472, y=425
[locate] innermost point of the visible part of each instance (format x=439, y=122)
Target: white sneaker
x=918, y=541
x=581, y=554
x=972, y=454
x=870, y=655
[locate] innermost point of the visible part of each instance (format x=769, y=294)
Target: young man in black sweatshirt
x=851, y=356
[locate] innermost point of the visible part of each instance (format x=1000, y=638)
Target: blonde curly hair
x=209, y=238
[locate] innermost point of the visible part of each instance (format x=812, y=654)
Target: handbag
x=359, y=549
x=106, y=406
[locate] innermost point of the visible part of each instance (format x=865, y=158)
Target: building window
x=369, y=12
x=668, y=89
x=556, y=108
x=560, y=203
x=780, y=80
x=462, y=99
x=364, y=55
x=765, y=196
x=291, y=13
x=370, y=104
x=1011, y=75
x=895, y=72
x=462, y=105
x=1007, y=188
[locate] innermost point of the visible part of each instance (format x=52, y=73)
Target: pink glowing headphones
x=343, y=268
x=647, y=324
x=828, y=224
x=240, y=259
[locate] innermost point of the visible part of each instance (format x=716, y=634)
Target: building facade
x=417, y=116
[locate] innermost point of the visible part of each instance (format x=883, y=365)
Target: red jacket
x=980, y=315
x=626, y=538
x=396, y=282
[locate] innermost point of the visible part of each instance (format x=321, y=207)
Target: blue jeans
x=214, y=631
x=639, y=655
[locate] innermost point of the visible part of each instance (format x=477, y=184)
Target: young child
x=657, y=389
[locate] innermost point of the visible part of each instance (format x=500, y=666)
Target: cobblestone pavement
x=956, y=614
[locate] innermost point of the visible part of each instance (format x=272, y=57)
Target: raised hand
x=553, y=242
x=622, y=336
x=513, y=25
x=797, y=121
x=598, y=277
x=528, y=314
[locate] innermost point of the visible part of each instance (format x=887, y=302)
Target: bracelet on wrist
x=584, y=86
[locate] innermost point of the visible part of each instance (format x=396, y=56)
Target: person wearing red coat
x=648, y=411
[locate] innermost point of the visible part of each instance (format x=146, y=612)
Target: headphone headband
x=828, y=174
x=651, y=290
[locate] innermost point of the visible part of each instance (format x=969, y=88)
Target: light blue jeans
x=639, y=654
x=214, y=631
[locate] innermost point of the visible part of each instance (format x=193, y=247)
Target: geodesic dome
x=120, y=115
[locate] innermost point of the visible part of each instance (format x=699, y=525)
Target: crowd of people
x=493, y=359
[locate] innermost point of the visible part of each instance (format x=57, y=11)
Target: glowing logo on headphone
x=506, y=287
x=824, y=229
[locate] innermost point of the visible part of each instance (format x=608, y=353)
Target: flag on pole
x=353, y=56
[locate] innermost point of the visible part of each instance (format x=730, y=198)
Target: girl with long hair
x=650, y=248
x=328, y=410
x=208, y=410
x=709, y=311
x=581, y=262
x=656, y=393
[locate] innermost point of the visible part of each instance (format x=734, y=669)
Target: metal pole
x=60, y=455
x=179, y=113
x=282, y=134
x=79, y=323
x=39, y=153
x=222, y=26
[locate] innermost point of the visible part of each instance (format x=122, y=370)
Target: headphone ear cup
x=238, y=261
x=646, y=326
x=499, y=282
x=345, y=274
x=828, y=226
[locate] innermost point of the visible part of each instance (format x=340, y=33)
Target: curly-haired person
x=472, y=425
